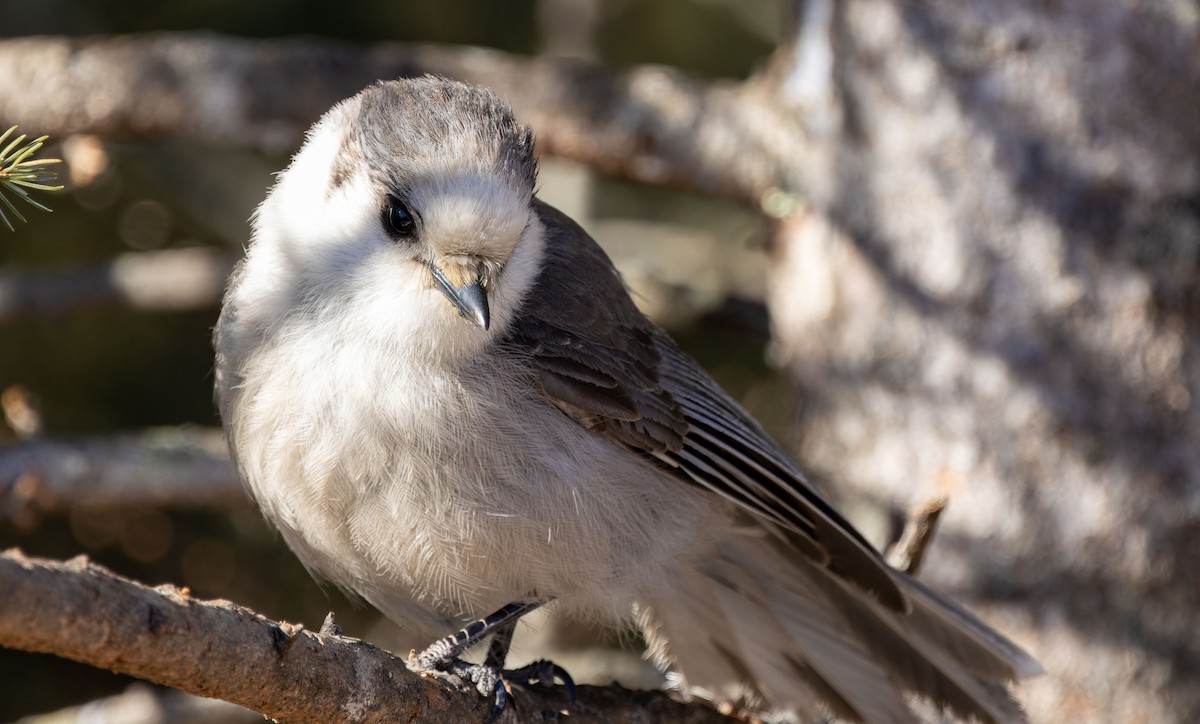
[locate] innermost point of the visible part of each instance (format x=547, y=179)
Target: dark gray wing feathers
x=610, y=369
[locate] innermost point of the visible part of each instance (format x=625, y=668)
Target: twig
x=218, y=649
x=906, y=554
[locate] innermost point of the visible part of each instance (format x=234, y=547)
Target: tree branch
x=168, y=280
x=218, y=649
x=648, y=124
x=908, y=552
x=164, y=466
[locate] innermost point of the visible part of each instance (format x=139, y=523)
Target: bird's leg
x=497, y=651
x=538, y=672
x=490, y=677
x=442, y=652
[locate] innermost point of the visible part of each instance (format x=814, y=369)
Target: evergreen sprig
x=19, y=171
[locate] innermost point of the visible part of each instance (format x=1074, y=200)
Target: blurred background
x=979, y=278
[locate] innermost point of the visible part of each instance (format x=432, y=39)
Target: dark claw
x=501, y=700
x=544, y=673
x=567, y=682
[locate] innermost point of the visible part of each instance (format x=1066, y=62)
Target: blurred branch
x=218, y=649
x=677, y=275
x=168, y=466
x=648, y=124
x=142, y=704
x=21, y=412
x=171, y=280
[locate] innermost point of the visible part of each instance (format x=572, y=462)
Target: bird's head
x=409, y=204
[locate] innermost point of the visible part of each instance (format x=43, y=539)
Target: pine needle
x=19, y=171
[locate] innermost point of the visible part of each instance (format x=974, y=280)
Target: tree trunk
x=995, y=295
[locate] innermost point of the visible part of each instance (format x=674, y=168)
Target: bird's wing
x=610, y=369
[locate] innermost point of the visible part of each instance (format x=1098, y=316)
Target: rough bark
x=996, y=297
x=218, y=649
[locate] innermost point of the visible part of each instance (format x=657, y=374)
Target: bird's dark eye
x=398, y=221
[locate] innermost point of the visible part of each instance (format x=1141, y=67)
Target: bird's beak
x=469, y=298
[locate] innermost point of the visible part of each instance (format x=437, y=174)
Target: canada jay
x=437, y=388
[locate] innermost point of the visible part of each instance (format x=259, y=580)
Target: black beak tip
x=473, y=304
x=482, y=318
x=470, y=299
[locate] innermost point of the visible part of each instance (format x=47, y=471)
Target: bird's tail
x=756, y=624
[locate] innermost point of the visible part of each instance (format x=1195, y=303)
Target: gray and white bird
x=438, y=389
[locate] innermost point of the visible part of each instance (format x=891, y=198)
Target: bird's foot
x=490, y=678
x=543, y=673
x=494, y=682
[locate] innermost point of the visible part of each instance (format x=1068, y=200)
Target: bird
x=439, y=390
